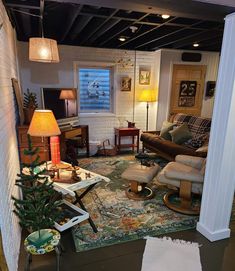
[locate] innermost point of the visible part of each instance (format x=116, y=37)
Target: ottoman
x=139, y=176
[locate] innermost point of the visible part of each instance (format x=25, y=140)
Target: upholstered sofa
x=199, y=128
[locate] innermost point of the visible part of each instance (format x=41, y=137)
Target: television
x=63, y=103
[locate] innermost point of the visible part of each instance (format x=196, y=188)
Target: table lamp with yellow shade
x=44, y=124
x=147, y=96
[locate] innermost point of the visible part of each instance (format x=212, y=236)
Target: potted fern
x=30, y=104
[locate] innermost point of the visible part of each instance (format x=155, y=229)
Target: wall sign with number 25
x=187, y=93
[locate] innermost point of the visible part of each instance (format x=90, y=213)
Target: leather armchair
x=187, y=174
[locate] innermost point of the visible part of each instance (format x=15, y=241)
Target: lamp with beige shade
x=43, y=50
x=40, y=48
x=67, y=94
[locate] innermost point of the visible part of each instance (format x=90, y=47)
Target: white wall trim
x=213, y=236
x=96, y=115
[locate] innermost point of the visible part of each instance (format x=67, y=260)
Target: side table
x=130, y=132
x=52, y=244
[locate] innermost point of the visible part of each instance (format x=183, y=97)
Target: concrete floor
x=216, y=256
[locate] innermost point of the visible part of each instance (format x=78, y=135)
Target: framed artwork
x=210, y=88
x=187, y=93
x=125, y=84
x=144, y=76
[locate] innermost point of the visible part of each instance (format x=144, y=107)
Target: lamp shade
x=67, y=94
x=43, y=50
x=147, y=96
x=43, y=123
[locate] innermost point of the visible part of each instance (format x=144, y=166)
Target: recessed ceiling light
x=122, y=39
x=165, y=16
x=195, y=44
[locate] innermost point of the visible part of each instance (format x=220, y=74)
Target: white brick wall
x=9, y=161
x=35, y=75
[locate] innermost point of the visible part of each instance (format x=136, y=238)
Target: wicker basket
x=107, y=149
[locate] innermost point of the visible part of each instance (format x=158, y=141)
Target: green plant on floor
x=38, y=207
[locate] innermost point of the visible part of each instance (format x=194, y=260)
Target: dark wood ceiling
x=71, y=23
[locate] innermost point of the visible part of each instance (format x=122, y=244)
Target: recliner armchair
x=187, y=174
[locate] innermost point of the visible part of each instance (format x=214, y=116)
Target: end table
x=130, y=132
x=52, y=244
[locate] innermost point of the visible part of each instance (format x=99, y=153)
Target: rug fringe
x=174, y=241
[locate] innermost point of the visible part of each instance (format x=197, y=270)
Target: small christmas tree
x=38, y=208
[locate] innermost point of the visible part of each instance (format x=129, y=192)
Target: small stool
x=139, y=176
x=52, y=244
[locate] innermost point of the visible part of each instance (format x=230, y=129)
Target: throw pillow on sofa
x=180, y=134
x=166, y=128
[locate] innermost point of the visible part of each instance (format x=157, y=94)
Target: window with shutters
x=95, y=89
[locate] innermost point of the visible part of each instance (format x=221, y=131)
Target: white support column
x=219, y=180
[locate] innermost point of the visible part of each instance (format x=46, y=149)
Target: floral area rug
x=118, y=218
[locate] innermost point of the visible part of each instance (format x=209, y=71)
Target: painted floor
x=216, y=256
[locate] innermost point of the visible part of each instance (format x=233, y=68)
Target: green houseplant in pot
x=38, y=208
x=29, y=105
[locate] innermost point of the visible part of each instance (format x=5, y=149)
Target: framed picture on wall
x=210, y=88
x=125, y=84
x=144, y=75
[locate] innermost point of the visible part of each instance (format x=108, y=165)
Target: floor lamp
x=44, y=124
x=147, y=96
x=67, y=94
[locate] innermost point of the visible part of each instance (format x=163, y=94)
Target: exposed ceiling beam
x=79, y=27
x=209, y=43
x=73, y=18
x=125, y=28
x=201, y=37
x=23, y=6
x=195, y=36
x=99, y=26
x=179, y=8
x=102, y=31
x=16, y=23
x=146, y=32
x=167, y=35
x=134, y=20
x=24, y=12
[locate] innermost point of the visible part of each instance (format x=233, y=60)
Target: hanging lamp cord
x=41, y=16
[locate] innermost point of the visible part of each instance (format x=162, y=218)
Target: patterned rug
x=118, y=218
